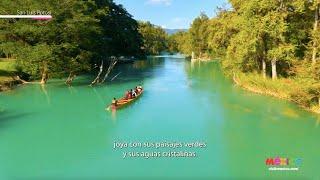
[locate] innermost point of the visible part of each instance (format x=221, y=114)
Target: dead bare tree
x=70, y=78
x=97, y=79
x=111, y=66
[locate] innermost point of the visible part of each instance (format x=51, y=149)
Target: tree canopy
x=81, y=34
x=154, y=38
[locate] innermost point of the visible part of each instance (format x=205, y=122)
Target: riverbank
x=292, y=90
x=202, y=60
x=7, y=78
x=204, y=57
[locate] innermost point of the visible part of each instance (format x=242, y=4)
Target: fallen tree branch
x=17, y=78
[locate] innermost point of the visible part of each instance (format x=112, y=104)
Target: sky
x=171, y=14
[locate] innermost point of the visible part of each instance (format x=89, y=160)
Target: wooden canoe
x=124, y=102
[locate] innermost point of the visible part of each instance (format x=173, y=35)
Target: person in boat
x=133, y=93
x=114, y=102
x=127, y=95
x=137, y=90
x=139, y=87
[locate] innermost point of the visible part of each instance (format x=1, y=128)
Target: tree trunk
x=264, y=67
x=44, y=78
x=70, y=78
x=111, y=66
x=264, y=56
x=19, y=79
x=315, y=28
x=44, y=74
x=97, y=79
x=319, y=101
x=274, y=69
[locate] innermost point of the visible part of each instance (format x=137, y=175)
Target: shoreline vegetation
x=77, y=40
x=267, y=47
x=283, y=90
x=7, y=71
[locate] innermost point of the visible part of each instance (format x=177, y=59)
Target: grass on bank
x=7, y=69
x=293, y=89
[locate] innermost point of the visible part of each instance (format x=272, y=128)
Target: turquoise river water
x=60, y=132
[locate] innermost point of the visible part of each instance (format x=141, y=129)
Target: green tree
x=76, y=39
x=154, y=38
x=199, y=35
x=180, y=42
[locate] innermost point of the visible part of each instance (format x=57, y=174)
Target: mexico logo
x=283, y=164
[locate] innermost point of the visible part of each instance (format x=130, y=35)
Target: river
x=65, y=132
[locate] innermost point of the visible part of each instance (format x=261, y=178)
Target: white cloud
x=159, y=2
x=164, y=26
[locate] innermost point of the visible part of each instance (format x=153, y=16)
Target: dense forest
x=81, y=37
x=267, y=46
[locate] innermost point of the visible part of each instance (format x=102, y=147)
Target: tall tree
x=315, y=33
x=199, y=34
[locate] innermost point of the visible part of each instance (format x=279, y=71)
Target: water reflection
x=193, y=63
x=98, y=96
x=148, y=63
x=72, y=90
x=138, y=71
x=113, y=115
x=290, y=113
x=45, y=92
x=318, y=121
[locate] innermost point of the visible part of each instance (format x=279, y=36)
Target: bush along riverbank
x=7, y=71
x=9, y=84
x=296, y=90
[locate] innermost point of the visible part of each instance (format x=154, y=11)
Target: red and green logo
x=280, y=161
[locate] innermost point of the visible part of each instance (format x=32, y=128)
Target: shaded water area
x=65, y=132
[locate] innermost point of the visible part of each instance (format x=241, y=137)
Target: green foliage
x=7, y=64
x=80, y=34
x=35, y=59
x=221, y=30
x=172, y=43
x=253, y=35
x=180, y=42
x=7, y=68
x=199, y=35
x=154, y=38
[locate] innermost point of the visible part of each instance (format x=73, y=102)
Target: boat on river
x=123, y=102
